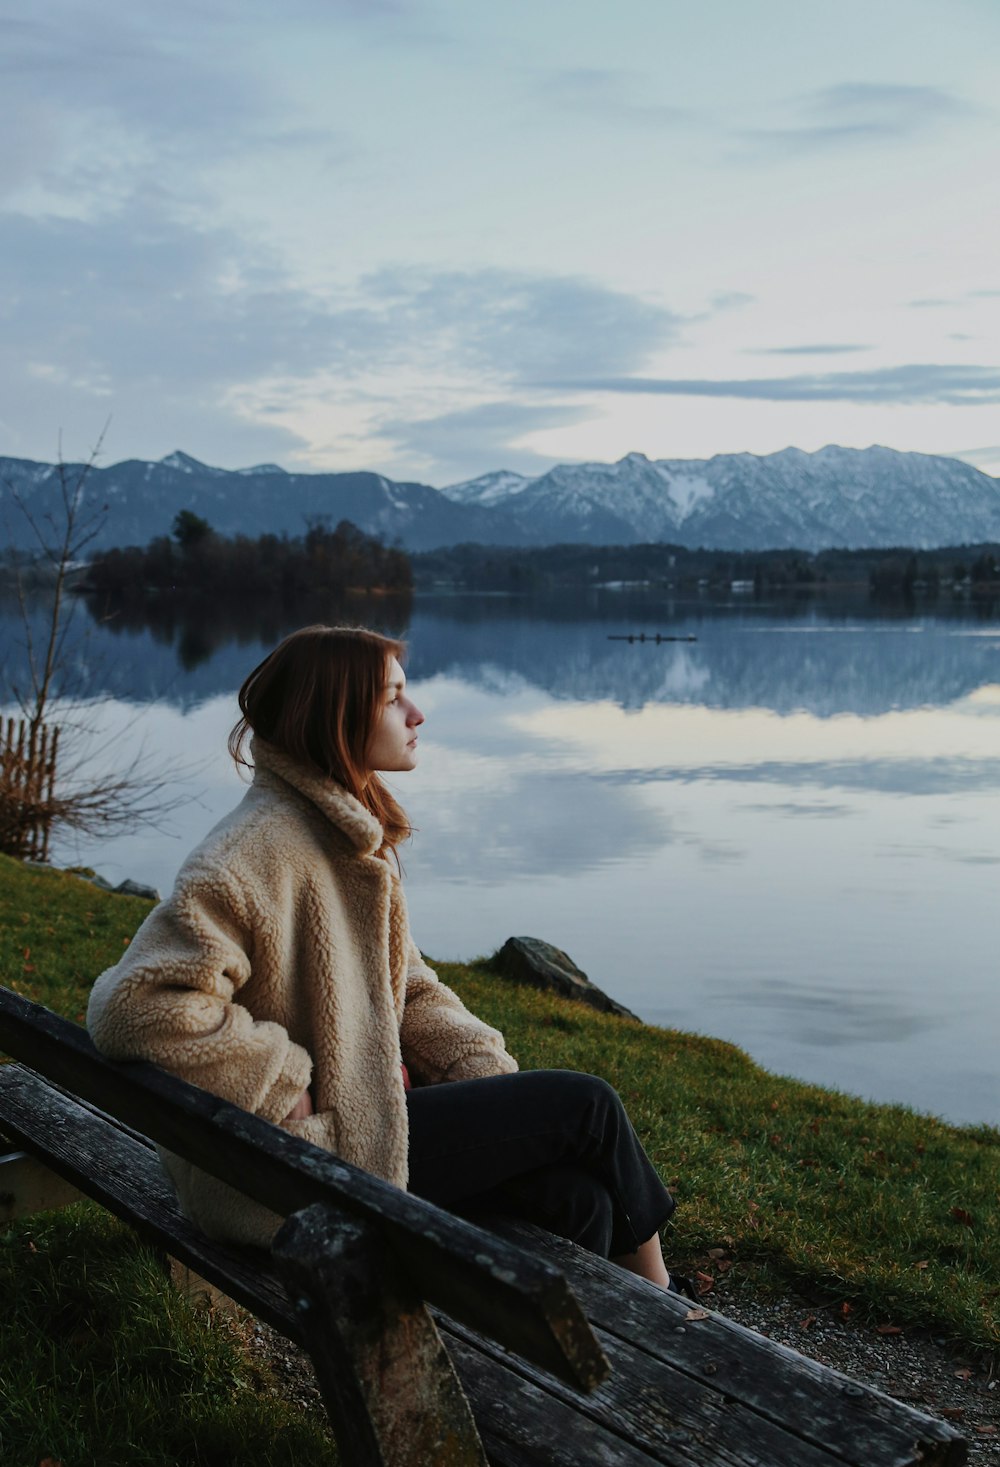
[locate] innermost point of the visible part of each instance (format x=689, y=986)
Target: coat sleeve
x=439, y=1038
x=171, y=1000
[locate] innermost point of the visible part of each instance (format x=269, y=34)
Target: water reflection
x=783, y=834
x=781, y=658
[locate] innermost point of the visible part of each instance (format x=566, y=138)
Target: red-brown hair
x=317, y=697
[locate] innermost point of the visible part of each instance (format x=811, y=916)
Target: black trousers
x=553, y=1147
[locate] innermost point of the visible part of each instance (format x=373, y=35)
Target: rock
x=136, y=888
x=96, y=880
x=538, y=964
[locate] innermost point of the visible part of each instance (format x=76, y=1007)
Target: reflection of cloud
x=915, y=383
x=902, y=776
x=925, y=852
x=798, y=808
x=533, y=822
x=828, y=1012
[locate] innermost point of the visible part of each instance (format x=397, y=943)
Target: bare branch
x=85, y=797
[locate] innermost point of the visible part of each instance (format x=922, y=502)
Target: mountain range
x=835, y=497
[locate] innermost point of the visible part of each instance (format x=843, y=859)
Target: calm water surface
x=785, y=833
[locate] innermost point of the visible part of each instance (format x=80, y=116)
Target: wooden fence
x=27, y=781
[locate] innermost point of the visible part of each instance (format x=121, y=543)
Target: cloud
x=731, y=300
x=819, y=349
x=856, y=114
x=958, y=386
x=518, y=326
x=201, y=334
x=457, y=444
x=610, y=94
x=97, y=101
x=986, y=459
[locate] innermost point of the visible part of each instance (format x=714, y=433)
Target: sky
x=435, y=238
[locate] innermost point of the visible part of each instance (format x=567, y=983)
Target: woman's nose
x=415, y=718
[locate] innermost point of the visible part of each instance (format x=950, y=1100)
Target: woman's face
x=393, y=744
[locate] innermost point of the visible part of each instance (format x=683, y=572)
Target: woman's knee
x=581, y=1088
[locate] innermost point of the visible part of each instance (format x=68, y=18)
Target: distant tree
x=190, y=530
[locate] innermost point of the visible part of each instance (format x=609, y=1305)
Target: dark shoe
x=680, y=1284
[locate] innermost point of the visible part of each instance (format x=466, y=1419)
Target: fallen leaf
x=49, y=1462
x=953, y=1413
x=964, y=1374
x=808, y=1322
x=924, y=1263
x=985, y=1430
x=960, y=1215
x=889, y=1329
x=845, y=1310
x=698, y=1314
x=717, y=1252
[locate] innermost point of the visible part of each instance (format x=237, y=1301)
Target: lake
x=785, y=832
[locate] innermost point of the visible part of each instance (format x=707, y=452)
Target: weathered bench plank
x=382, y=1368
x=664, y=1402
x=474, y=1276
x=121, y=1171
x=823, y=1407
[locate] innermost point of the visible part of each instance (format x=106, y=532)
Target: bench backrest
x=474, y=1276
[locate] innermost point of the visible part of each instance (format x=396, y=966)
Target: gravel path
x=911, y=1365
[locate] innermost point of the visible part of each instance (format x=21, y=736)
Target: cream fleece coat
x=283, y=959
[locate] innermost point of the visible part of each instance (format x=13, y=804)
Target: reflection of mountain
x=740, y=660
x=809, y=659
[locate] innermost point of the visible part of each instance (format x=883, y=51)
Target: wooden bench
x=434, y=1341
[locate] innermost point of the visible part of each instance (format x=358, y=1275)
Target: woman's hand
x=303, y=1107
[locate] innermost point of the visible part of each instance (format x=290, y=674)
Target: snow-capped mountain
x=848, y=497
x=834, y=497
x=489, y=489
x=143, y=498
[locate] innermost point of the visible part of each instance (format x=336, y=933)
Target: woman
x=280, y=975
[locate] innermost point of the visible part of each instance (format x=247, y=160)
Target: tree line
x=195, y=559
x=889, y=571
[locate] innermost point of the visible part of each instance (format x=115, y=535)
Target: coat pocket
x=319, y=1128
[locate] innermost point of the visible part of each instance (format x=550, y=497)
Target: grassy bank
x=893, y=1214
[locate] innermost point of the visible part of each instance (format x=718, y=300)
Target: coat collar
x=340, y=808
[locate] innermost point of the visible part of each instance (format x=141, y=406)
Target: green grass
x=891, y=1212
x=895, y=1213
x=104, y=1364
